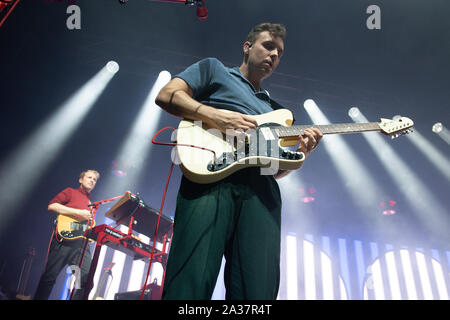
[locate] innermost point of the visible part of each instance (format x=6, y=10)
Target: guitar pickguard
x=71, y=234
x=259, y=148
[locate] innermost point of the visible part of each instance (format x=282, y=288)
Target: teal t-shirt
x=216, y=85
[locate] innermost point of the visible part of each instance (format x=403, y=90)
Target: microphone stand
x=94, y=208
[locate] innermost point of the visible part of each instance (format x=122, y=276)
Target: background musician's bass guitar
x=207, y=155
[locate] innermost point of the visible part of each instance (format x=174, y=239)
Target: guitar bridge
x=222, y=162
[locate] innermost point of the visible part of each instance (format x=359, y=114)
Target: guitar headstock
x=397, y=127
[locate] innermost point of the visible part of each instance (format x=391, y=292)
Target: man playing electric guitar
x=74, y=215
x=240, y=215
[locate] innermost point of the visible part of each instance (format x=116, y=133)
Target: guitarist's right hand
x=78, y=214
x=230, y=122
x=83, y=215
x=176, y=98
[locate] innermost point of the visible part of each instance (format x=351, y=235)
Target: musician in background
x=239, y=216
x=72, y=204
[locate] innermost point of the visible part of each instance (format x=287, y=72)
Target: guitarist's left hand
x=309, y=140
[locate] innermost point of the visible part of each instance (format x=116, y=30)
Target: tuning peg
x=407, y=131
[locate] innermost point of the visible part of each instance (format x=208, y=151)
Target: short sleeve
x=63, y=197
x=199, y=75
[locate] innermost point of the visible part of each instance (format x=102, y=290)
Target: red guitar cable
x=177, y=144
x=163, y=200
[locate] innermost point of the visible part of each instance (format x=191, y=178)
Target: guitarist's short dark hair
x=275, y=29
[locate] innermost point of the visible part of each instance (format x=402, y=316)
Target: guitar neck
x=339, y=128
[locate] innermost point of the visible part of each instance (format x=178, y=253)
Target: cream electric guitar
x=207, y=155
x=71, y=229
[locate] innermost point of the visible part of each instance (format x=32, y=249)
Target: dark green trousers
x=239, y=217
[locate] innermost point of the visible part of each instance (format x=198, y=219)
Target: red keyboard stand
x=131, y=211
x=126, y=243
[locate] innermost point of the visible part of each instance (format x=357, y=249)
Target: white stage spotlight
x=441, y=131
x=437, y=127
x=353, y=112
x=310, y=105
x=112, y=67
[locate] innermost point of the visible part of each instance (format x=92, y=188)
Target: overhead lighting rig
x=6, y=7
x=202, y=12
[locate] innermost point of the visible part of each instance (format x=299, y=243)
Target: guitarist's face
x=264, y=54
x=88, y=181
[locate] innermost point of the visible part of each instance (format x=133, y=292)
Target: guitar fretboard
x=297, y=130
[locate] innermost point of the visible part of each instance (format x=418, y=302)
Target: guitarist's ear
x=246, y=49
